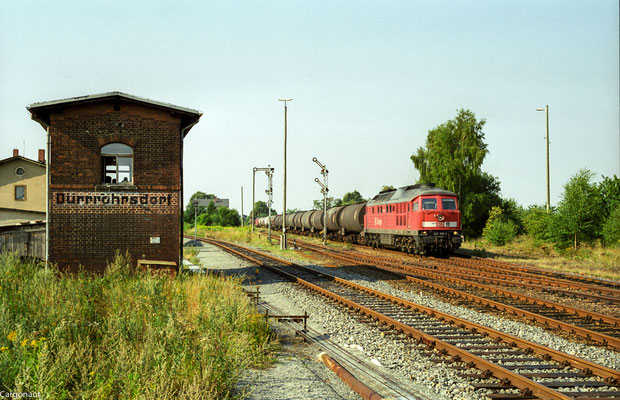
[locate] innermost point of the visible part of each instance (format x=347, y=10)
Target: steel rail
x=554, y=323
x=387, y=383
x=515, y=379
x=537, y=271
x=537, y=282
x=502, y=265
x=505, y=280
x=434, y=263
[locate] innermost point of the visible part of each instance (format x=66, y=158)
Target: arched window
x=117, y=162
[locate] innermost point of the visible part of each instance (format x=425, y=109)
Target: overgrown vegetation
x=452, y=159
x=587, y=217
x=126, y=335
x=210, y=214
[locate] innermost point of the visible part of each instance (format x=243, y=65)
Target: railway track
x=506, y=274
x=589, y=325
x=501, y=365
x=532, y=271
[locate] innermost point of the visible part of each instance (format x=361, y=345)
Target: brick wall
x=88, y=223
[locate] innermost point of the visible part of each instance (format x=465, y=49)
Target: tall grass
x=124, y=335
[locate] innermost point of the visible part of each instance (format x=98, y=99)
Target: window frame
x=15, y=192
x=107, y=155
x=450, y=199
x=430, y=199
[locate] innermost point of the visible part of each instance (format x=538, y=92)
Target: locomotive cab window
x=448, y=204
x=429, y=204
x=117, y=163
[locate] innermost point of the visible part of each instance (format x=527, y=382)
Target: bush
x=535, y=222
x=578, y=216
x=500, y=232
x=611, y=228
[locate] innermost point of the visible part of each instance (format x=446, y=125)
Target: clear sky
x=368, y=79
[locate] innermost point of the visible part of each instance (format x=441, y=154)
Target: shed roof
x=40, y=111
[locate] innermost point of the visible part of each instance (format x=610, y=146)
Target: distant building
x=22, y=189
x=218, y=202
x=115, y=178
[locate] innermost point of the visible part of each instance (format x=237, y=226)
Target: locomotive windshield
x=448, y=204
x=429, y=204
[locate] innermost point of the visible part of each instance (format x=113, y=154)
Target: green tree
x=609, y=190
x=536, y=221
x=611, y=228
x=331, y=202
x=452, y=159
x=188, y=215
x=514, y=213
x=499, y=229
x=220, y=216
x=261, y=209
x=352, y=197
x=228, y=217
x=578, y=216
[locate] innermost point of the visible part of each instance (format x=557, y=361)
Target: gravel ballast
x=400, y=357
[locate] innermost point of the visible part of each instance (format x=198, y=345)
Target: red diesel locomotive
x=416, y=219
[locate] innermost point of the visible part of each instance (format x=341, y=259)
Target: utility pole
x=195, y=219
x=546, y=110
x=324, y=190
x=283, y=244
x=242, y=206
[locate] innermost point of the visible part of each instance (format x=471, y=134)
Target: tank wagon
x=416, y=219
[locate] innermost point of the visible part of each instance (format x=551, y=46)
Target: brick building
x=115, y=178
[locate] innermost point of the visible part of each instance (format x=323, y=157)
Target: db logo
x=378, y=221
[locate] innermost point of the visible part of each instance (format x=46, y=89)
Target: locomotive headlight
x=456, y=232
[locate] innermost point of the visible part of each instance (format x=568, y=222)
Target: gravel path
x=296, y=374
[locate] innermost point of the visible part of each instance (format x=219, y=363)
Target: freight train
x=418, y=219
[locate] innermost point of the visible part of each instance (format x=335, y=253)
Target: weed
x=125, y=335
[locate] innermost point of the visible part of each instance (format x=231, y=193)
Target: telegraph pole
x=546, y=110
x=283, y=244
x=195, y=220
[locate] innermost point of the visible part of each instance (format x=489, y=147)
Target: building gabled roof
x=16, y=158
x=40, y=112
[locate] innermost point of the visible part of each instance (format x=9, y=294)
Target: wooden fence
x=27, y=241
